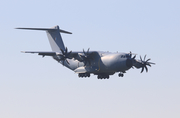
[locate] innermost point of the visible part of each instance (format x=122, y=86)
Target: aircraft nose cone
x=129, y=63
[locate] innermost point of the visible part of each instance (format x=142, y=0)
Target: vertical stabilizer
x=55, y=39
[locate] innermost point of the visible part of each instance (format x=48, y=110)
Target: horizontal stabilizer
x=45, y=29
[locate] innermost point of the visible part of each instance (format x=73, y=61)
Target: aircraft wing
x=74, y=55
x=42, y=53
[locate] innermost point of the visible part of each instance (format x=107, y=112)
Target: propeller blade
x=134, y=57
x=62, y=51
x=144, y=57
x=84, y=52
x=67, y=61
x=151, y=63
x=146, y=68
x=65, y=54
x=88, y=51
x=141, y=58
x=142, y=69
x=148, y=60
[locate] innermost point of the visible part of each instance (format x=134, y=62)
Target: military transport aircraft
x=102, y=64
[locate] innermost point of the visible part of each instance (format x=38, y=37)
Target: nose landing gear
x=120, y=74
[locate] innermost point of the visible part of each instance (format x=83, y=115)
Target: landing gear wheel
x=121, y=75
x=84, y=75
x=103, y=76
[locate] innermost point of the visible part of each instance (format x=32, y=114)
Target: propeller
x=65, y=55
x=145, y=63
x=130, y=60
x=86, y=57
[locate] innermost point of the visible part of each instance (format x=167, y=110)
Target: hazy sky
x=36, y=87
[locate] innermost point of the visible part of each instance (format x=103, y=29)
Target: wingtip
x=19, y=28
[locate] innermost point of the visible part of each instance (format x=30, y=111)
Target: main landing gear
x=84, y=75
x=120, y=74
x=103, y=76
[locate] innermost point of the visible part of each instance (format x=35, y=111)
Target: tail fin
x=54, y=37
